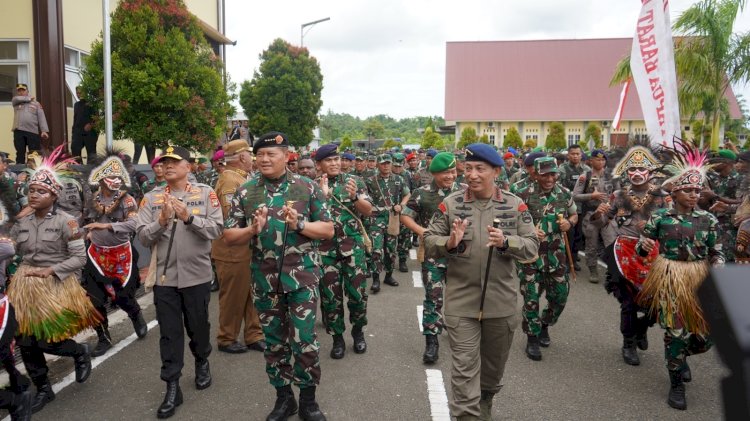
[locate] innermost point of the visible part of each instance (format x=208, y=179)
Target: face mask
x=113, y=184
x=638, y=177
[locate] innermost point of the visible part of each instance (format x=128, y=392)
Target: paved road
x=582, y=375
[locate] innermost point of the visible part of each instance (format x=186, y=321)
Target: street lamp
x=302, y=29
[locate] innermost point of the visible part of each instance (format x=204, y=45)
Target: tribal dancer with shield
x=50, y=304
x=686, y=239
x=625, y=215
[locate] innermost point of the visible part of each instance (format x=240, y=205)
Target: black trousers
x=94, y=283
x=138, y=149
x=631, y=324
x=87, y=140
x=33, y=350
x=576, y=238
x=23, y=139
x=175, y=308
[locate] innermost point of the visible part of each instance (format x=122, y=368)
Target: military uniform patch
x=75, y=231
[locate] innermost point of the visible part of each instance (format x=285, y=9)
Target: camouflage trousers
x=534, y=281
x=282, y=315
x=433, y=278
x=595, y=237
x=404, y=243
x=346, y=276
x=383, y=245
x=727, y=237
x=679, y=343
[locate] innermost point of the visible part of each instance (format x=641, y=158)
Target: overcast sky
x=388, y=56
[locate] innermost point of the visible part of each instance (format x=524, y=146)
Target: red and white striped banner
x=621, y=106
x=652, y=64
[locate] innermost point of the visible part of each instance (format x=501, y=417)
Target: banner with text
x=652, y=64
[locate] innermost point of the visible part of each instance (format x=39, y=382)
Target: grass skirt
x=49, y=309
x=670, y=292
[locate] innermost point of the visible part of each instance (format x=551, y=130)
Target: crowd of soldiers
x=275, y=232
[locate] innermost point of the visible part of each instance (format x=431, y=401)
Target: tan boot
x=485, y=406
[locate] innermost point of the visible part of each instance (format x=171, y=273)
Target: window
x=492, y=138
x=573, y=139
x=74, y=62
x=490, y=124
x=14, y=67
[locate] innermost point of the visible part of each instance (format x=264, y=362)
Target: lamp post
x=304, y=25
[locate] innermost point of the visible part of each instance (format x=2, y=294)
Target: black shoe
x=20, y=408
x=202, y=374
x=214, y=285
x=431, y=349
x=44, y=395
x=577, y=267
x=642, y=341
x=676, y=399
x=259, y=346
x=687, y=375
x=83, y=364
x=139, y=325
x=375, y=288
x=532, y=348
x=285, y=405
x=360, y=346
x=629, y=354
x=402, y=266
x=308, y=408
x=339, y=347
x=172, y=399
x=103, y=344
x=389, y=280
x=544, y=339
x=233, y=348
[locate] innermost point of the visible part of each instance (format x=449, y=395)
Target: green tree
x=166, y=81
x=468, y=136
x=390, y=143
x=512, y=139
x=593, y=131
x=284, y=93
x=374, y=127
x=556, y=137
x=530, y=143
x=346, y=142
x=484, y=139
x=430, y=139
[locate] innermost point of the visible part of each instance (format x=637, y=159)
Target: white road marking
x=419, y=316
x=412, y=254
x=598, y=261
x=438, y=398
x=416, y=276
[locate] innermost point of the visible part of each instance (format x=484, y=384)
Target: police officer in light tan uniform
x=190, y=213
x=461, y=233
x=29, y=123
x=233, y=262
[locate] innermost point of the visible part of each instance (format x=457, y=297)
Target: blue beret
x=485, y=153
x=348, y=156
x=326, y=151
x=530, y=158
x=598, y=153
x=513, y=151
x=431, y=152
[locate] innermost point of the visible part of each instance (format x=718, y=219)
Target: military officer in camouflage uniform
x=554, y=212
x=688, y=246
x=511, y=166
x=285, y=271
x=724, y=182
x=347, y=162
x=404, y=236
x=592, y=189
x=372, y=166
x=460, y=167
x=569, y=174
x=343, y=256
x=389, y=194
x=523, y=178
x=461, y=233
x=423, y=176
x=417, y=214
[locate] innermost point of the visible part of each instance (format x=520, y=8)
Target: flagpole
x=107, y=76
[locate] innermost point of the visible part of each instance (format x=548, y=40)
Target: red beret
x=507, y=155
x=411, y=156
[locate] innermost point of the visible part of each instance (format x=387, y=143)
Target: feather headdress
x=688, y=167
x=53, y=171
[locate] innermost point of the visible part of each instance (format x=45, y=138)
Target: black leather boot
x=104, y=343
x=360, y=346
x=202, y=374
x=402, y=266
x=687, y=375
x=172, y=399
x=83, y=363
x=629, y=353
x=285, y=405
x=532, y=348
x=390, y=280
x=308, y=408
x=20, y=408
x=544, y=339
x=642, y=341
x=431, y=349
x=676, y=399
x=339, y=347
x=375, y=288
x=139, y=325
x=44, y=394
x=485, y=406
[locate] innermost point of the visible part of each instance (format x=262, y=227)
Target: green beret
x=727, y=154
x=442, y=161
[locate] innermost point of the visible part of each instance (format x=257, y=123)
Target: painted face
x=686, y=198
x=40, y=197
x=638, y=176
x=112, y=183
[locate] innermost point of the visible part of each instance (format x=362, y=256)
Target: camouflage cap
x=545, y=165
x=384, y=158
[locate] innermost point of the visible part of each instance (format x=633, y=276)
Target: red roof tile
x=544, y=80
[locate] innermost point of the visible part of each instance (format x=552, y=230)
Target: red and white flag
x=621, y=106
x=652, y=64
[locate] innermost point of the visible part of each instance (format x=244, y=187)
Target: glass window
x=14, y=67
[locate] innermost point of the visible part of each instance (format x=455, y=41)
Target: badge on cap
x=279, y=139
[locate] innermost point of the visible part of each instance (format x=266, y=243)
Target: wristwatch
x=300, y=227
x=189, y=220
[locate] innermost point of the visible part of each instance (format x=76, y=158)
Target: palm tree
x=709, y=57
